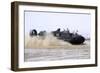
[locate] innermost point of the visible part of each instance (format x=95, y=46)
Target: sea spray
x=47, y=41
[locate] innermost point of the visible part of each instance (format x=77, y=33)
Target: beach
x=49, y=48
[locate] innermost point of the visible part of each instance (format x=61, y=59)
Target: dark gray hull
x=69, y=37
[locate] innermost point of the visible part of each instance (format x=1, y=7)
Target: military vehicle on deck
x=66, y=35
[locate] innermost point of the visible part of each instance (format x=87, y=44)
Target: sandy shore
x=49, y=48
x=50, y=41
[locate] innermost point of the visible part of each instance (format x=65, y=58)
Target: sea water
x=50, y=48
x=55, y=54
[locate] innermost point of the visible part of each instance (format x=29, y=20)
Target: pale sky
x=51, y=21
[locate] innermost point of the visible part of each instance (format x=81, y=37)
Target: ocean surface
x=55, y=54
x=50, y=48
